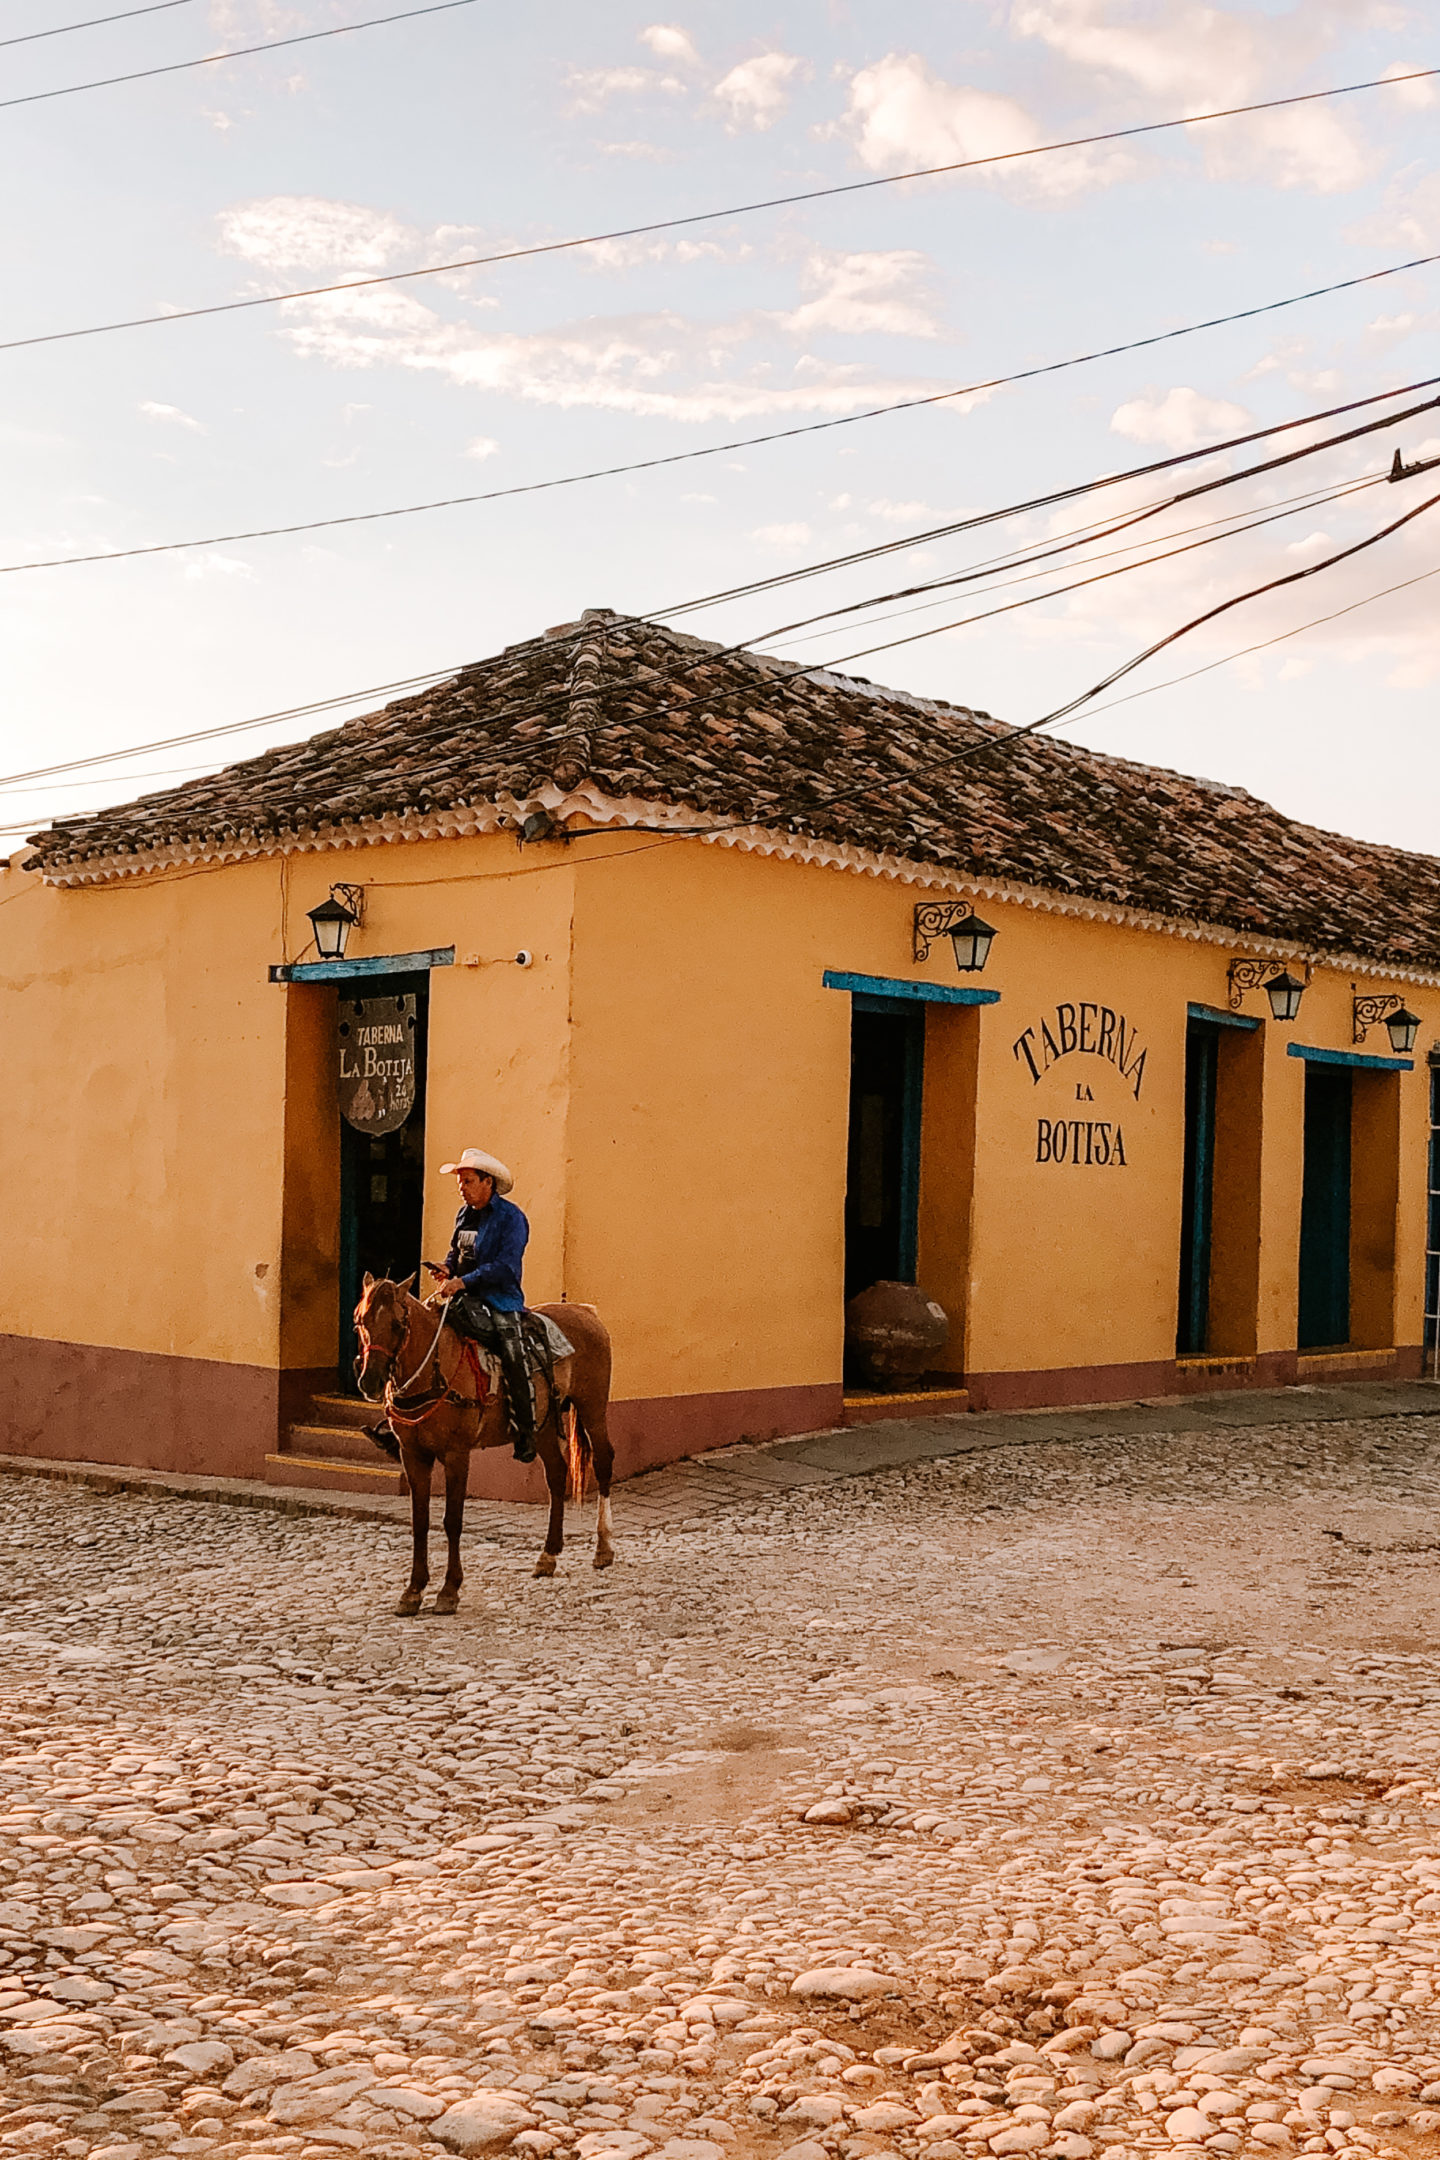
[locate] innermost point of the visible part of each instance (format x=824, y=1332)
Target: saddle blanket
x=559, y=1341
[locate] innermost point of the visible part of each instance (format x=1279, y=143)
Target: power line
x=699, y=217
x=531, y=706
x=1316, y=622
x=95, y=22
x=232, y=727
x=684, y=457
x=1059, y=495
x=1084, y=537
x=982, y=519
x=1311, y=499
x=996, y=743
x=240, y=52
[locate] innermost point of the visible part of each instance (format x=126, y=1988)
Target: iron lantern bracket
x=936, y=919
x=1368, y=1010
x=1243, y=975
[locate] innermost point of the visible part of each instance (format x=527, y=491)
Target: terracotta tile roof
x=651, y=714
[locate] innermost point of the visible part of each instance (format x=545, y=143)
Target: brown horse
x=442, y=1403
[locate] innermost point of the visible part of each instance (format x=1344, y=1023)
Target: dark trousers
x=502, y=1333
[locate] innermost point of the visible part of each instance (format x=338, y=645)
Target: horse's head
x=382, y=1322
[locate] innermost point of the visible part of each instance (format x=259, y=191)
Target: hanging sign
x=375, y=1061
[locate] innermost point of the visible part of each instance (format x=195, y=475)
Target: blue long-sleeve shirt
x=487, y=1252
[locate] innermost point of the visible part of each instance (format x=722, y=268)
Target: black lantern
x=1402, y=1027
x=1284, y=992
x=972, y=940
x=333, y=921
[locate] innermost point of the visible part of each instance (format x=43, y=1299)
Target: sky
x=481, y=129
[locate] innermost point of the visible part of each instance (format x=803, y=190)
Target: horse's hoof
x=409, y=1605
x=448, y=1601
x=604, y=1559
x=545, y=1565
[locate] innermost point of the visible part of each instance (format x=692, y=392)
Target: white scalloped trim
x=627, y=812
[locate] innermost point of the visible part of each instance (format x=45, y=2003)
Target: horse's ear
x=369, y=1282
x=409, y=1282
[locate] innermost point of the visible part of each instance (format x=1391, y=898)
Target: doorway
x=1325, y=1209
x=382, y=1174
x=1202, y=1063
x=882, y=1187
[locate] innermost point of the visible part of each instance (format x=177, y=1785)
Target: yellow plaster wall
x=670, y=1082
x=142, y=1069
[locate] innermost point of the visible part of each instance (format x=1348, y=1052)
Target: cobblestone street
x=1070, y=1799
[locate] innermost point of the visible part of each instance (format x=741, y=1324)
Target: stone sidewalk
x=702, y=1485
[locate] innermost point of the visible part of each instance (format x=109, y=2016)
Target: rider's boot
x=385, y=1438
x=519, y=1401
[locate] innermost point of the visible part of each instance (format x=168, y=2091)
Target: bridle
x=393, y=1395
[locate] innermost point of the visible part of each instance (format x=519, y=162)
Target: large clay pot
x=893, y=1333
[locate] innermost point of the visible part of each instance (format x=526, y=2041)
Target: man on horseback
x=482, y=1270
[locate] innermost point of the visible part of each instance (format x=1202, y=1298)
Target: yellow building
x=670, y=929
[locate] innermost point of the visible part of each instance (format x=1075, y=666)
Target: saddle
x=544, y=1342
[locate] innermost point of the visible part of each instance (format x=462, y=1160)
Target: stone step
x=334, y=1474
x=336, y=1443
x=867, y=1409
x=344, y=1410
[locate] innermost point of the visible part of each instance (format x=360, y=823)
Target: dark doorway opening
x=1325, y=1209
x=882, y=1189
x=382, y=1179
x=1202, y=1064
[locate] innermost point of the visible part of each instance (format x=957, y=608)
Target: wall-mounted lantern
x=1283, y=989
x=1284, y=992
x=954, y=919
x=335, y=918
x=1401, y=1026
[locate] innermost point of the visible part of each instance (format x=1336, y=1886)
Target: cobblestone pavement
x=1070, y=1800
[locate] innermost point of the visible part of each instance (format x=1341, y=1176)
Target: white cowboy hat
x=474, y=1158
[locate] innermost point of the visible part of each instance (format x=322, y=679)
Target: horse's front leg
x=550, y=1449
x=457, y=1465
x=417, y=1474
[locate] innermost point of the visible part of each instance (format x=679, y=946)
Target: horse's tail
x=578, y=1452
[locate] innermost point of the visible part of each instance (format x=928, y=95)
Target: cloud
x=172, y=413
x=756, y=92
x=653, y=151
x=1409, y=217
x=309, y=232
x=901, y=513
x=903, y=115
x=669, y=42
x=1182, y=419
x=484, y=446
x=659, y=364
x=594, y=87
x=1417, y=95
x=855, y=295
x=782, y=536
x=1306, y=147
x=1198, y=58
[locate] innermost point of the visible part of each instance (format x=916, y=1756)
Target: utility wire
x=1087, y=536
x=1045, y=502
x=1310, y=500
x=530, y=707
x=1316, y=622
x=239, y=52
x=684, y=457
x=232, y=727
x=95, y=22
x=1003, y=742
x=706, y=217
x=811, y=805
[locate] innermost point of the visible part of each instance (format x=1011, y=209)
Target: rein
x=417, y=1413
